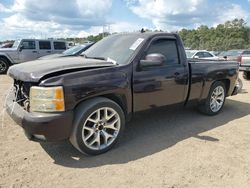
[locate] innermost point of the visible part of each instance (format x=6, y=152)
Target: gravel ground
x=177, y=148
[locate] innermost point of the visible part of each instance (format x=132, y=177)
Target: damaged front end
x=21, y=92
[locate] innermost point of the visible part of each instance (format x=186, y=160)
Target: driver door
x=28, y=51
x=162, y=85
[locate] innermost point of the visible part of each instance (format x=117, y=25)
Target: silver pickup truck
x=28, y=50
x=245, y=64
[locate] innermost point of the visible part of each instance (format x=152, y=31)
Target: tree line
x=233, y=34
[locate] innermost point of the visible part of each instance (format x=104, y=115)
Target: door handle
x=176, y=73
x=34, y=51
x=48, y=51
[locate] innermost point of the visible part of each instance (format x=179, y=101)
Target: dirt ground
x=178, y=148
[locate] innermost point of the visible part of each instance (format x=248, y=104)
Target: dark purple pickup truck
x=88, y=99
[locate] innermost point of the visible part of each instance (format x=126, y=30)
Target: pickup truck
x=28, y=49
x=244, y=61
x=89, y=98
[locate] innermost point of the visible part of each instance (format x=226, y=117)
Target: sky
x=81, y=18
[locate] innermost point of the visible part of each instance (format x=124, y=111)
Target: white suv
x=27, y=50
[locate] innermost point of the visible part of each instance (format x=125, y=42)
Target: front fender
x=5, y=55
x=111, y=82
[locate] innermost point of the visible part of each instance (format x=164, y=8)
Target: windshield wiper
x=87, y=57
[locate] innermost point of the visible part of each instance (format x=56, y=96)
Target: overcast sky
x=80, y=18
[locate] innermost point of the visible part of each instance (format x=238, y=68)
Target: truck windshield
x=116, y=48
x=16, y=43
x=74, y=50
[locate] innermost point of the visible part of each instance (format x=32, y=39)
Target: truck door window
x=206, y=54
x=59, y=46
x=166, y=47
x=44, y=45
x=28, y=45
x=200, y=54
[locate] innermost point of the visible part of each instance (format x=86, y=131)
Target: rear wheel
x=4, y=65
x=215, y=99
x=100, y=126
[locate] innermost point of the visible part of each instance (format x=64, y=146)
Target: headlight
x=46, y=99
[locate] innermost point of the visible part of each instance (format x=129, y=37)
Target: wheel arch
x=120, y=99
x=6, y=58
x=226, y=82
x=206, y=89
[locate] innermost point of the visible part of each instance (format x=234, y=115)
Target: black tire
x=82, y=113
x=246, y=75
x=206, y=106
x=4, y=65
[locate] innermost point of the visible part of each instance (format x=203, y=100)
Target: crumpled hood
x=33, y=71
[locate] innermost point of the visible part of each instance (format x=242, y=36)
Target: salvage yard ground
x=179, y=148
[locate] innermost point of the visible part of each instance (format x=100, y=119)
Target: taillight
x=240, y=60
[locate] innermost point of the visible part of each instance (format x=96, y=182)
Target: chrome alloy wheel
x=217, y=99
x=3, y=66
x=101, y=128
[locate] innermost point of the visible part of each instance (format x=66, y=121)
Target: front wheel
x=215, y=99
x=99, y=126
x=4, y=65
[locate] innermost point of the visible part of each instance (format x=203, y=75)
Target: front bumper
x=41, y=126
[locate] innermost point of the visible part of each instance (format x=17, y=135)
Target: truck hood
x=8, y=49
x=33, y=71
x=53, y=56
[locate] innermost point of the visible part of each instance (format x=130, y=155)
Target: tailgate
x=245, y=61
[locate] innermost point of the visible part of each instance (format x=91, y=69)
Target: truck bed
x=245, y=63
x=204, y=72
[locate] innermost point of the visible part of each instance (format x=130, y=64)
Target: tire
x=246, y=75
x=4, y=66
x=215, y=101
x=95, y=134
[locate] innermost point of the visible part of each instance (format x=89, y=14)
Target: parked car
x=216, y=53
x=88, y=99
x=27, y=50
x=200, y=54
x=244, y=61
x=73, y=51
x=231, y=55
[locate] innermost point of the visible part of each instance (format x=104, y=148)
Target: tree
x=233, y=34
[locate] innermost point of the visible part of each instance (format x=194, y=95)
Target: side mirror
x=196, y=57
x=153, y=60
x=21, y=48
